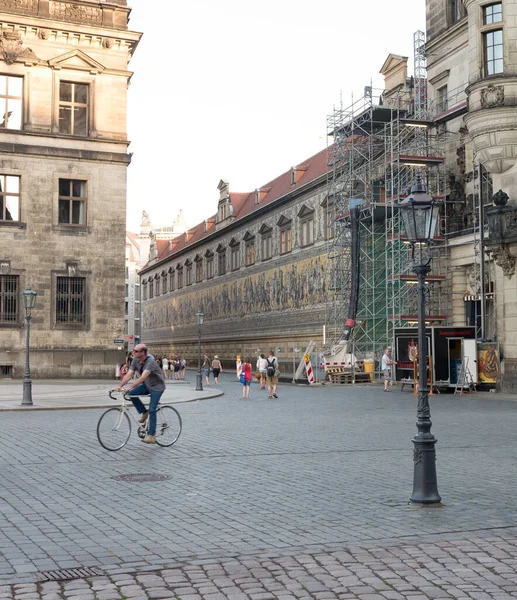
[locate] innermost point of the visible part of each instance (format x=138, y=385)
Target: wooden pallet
x=349, y=377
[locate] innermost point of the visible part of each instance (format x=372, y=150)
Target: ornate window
x=249, y=249
x=306, y=217
x=266, y=242
x=188, y=272
x=221, y=260
x=199, y=268
x=9, y=198
x=171, y=279
x=235, y=254
x=151, y=288
x=164, y=282
x=72, y=202
x=179, y=271
x=286, y=241
x=209, y=257
x=11, y=102
x=73, y=108
x=9, y=294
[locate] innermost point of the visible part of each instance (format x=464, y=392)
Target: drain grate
x=141, y=477
x=66, y=574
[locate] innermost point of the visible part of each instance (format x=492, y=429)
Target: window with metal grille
x=73, y=108
x=71, y=300
x=11, y=102
x=72, y=202
x=9, y=198
x=9, y=295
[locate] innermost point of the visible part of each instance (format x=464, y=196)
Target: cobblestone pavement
x=300, y=497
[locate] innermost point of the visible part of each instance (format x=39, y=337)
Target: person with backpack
x=272, y=374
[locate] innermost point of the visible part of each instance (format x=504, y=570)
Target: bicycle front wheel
x=168, y=426
x=114, y=429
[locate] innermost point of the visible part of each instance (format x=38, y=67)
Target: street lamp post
x=420, y=213
x=199, y=379
x=29, y=299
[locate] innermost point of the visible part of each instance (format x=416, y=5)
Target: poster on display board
x=488, y=362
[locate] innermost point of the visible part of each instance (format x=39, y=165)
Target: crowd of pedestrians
x=266, y=373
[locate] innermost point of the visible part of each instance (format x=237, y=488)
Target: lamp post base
x=425, y=486
x=27, y=393
x=199, y=383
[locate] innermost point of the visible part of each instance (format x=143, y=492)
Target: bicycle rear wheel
x=168, y=426
x=113, y=429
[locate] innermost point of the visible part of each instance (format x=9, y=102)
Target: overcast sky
x=241, y=90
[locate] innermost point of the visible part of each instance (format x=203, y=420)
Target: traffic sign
x=118, y=341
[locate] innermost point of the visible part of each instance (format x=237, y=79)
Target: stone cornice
x=486, y=121
x=67, y=153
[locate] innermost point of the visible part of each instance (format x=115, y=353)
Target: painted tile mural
x=294, y=286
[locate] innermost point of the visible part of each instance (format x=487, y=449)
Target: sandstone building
x=256, y=269
x=472, y=75
x=63, y=160
x=272, y=268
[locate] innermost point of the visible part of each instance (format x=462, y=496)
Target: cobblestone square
x=301, y=497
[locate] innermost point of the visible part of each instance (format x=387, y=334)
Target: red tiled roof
x=244, y=203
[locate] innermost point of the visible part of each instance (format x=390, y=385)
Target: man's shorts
x=387, y=374
x=273, y=380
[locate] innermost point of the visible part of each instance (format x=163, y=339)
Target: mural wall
x=293, y=286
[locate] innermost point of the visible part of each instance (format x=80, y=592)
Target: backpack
x=270, y=367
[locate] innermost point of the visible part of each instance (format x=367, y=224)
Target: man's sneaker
x=275, y=396
x=143, y=417
x=149, y=439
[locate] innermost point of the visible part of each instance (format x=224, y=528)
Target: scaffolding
x=378, y=146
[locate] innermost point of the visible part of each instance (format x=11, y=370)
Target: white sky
x=241, y=90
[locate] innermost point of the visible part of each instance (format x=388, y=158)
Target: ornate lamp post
x=29, y=300
x=420, y=213
x=199, y=379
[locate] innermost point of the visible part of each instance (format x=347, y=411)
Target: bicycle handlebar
x=125, y=394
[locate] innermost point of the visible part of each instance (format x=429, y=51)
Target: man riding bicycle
x=150, y=382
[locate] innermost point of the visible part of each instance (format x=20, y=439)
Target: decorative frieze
x=25, y=6
x=67, y=11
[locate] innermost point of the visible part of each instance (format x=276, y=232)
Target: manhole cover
x=141, y=477
x=65, y=574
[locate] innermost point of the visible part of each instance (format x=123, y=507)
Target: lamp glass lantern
x=199, y=318
x=420, y=213
x=29, y=298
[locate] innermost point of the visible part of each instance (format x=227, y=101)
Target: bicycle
x=114, y=426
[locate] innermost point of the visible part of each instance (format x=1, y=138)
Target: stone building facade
x=256, y=269
x=472, y=74
x=63, y=161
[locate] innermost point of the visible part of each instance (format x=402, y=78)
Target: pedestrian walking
x=206, y=368
x=177, y=367
x=272, y=374
x=262, y=369
x=182, y=369
x=165, y=366
x=386, y=366
x=216, y=369
x=246, y=377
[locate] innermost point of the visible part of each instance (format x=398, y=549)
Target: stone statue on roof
x=146, y=219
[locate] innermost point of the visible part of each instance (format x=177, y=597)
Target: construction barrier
x=308, y=368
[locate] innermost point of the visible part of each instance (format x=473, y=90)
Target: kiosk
x=450, y=347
